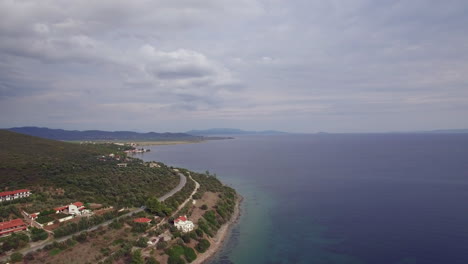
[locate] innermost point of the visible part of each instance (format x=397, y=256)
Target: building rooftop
x=13, y=192
x=181, y=218
x=11, y=224
x=142, y=220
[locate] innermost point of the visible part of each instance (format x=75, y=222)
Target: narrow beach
x=221, y=236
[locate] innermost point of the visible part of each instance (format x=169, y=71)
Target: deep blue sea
x=370, y=198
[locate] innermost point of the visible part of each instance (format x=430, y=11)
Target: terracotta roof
x=181, y=218
x=12, y=223
x=13, y=192
x=142, y=220
x=78, y=204
x=61, y=208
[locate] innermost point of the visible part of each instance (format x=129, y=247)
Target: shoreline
x=221, y=235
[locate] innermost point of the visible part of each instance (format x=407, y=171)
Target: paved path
x=183, y=181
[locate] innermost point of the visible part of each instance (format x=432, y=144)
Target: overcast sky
x=176, y=65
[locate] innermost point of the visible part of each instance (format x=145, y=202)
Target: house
x=153, y=241
x=122, y=165
x=16, y=225
x=183, y=224
x=76, y=208
x=154, y=165
x=11, y=195
x=142, y=220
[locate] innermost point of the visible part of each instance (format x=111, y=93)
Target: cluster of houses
x=12, y=195
x=135, y=150
x=71, y=210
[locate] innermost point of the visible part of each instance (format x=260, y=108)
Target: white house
x=183, y=224
x=11, y=195
x=73, y=209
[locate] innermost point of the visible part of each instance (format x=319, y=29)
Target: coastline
x=221, y=235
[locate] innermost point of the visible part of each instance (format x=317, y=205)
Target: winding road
x=182, y=182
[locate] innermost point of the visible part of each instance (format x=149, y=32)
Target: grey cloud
x=335, y=65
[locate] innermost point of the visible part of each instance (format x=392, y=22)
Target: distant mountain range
x=232, y=131
x=61, y=134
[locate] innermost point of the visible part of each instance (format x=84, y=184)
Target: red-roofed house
x=73, y=208
x=7, y=228
x=183, y=224
x=142, y=220
x=11, y=195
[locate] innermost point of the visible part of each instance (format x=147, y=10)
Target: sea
x=339, y=198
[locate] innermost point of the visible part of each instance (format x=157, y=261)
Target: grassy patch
x=55, y=251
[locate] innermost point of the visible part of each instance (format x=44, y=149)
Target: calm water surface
x=340, y=198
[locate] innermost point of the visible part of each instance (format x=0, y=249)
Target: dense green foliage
x=151, y=260
x=59, y=173
x=15, y=241
x=203, y=245
x=7, y=211
x=16, y=257
x=38, y=234
x=177, y=251
x=154, y=206
x=137, y=258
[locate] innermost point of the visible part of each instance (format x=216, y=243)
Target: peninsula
x=91, y=203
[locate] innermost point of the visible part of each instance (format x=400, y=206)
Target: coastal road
x=182, y=182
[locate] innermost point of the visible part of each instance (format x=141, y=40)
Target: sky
x=176, y=65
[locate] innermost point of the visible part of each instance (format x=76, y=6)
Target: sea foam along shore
x=221, y=236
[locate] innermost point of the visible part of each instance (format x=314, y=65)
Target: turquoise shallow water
x=340, y=198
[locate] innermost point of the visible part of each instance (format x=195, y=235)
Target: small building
x=154, y=165
x=153, y=241
x=183, y=224
x=74, y=209
x=143, y=220
x=12, y=195
x=16, y=225
x=122, y=165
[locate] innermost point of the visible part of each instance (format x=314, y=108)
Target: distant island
x=232, y=131
x=60, y=199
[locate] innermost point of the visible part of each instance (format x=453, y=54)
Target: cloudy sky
x=175, y=65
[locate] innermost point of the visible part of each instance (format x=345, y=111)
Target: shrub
x=16, y=257
x=162, y=245
x=151, y=260
x=203, y=245
x=175, y=260
x=142, y=242
x=189, y=254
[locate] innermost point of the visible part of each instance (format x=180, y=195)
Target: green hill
x=58, y=172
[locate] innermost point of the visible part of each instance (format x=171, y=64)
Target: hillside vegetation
x=60, y=172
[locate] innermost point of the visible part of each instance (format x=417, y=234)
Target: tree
x=16, y=257
x=203, y=245
x=189, y=254
x=151, y=260
x=137, y=258
x=154, y=206
x=142, y=242
x=38, y=234
x=186, y=238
